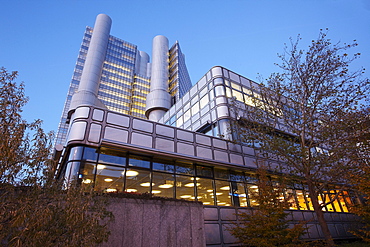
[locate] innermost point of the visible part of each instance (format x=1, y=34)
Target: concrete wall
x=219, y=219
x=143, y=223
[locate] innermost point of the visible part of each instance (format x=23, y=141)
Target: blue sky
x=41, y=39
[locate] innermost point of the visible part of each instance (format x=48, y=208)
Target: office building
x=178, y=152
x=122, y=75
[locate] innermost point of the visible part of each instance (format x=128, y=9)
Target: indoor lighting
x=131, y=173
x=193, y=178
x=218, y=193
x=165, y=186
x=254, y=187
x=100, y=167
x=185, y=196
x=108, y=180
x=131, y=190
x=209, y=190
x=111, y=190
x=225, y=188
x=147, y=184
x=86, y=181
x=156, y=191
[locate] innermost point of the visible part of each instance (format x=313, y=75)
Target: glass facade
x=111, y=171
x=123, y=84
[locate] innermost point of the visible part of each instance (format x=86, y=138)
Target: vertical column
x=158, y=100
x=91, y=73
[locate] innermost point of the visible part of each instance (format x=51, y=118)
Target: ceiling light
x=225, y=188
x=131, y=173
x=100, y=167
x=156, y=191
x=147, y=184
x=111, y=190
x=185, y=196
x=108, y=180
x=86, y=181
x=131, y=190
x=165, y=186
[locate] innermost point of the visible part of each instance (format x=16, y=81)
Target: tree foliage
x=300, y=117
x=35, y=210
x=268, y=226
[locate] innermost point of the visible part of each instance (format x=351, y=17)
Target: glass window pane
x=223, y=193
x=88, y=174
x=137, y=181
x=109, y=178
x=185, y=187
x=236, y=176
x=289, y=195
x=185, y=168
x=301, y=200
x=90, y=154
x=139, y=161
x=205, y=191
x=75, y=153
x=221, y=173
x=203, y=101
x=204, y=171
x=163, y=165
x=239, y=197
x=220, y=91
x=252, y=193
x=163, y=184
x=112, y=157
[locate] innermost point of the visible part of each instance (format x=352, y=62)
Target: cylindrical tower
x=158, y=100
x=91, y=73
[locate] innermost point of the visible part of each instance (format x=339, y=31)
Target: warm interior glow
x=185, y=196
x=111, y=190
x=108, y=180
x=225, y=188
x=165, y=186
x=131, y=173
x=131, y=190
x=86, y=181
x=147, y=184
x=156, y=191
x=100, y=167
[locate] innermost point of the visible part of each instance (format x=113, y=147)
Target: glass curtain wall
x=112, y=171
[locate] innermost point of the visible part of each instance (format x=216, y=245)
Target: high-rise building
x=184, y=150
x=121, y=75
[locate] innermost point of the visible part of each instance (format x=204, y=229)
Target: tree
x=360, y=176
x=35, y=210
x=268, y=226
x=299, y=117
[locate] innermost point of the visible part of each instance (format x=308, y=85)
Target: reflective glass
x=163, y=166
x=252, y=194
x=163, y=184
x=90, y=154
x=113, y=158
x=185, y=187
x=205, y=191
x=185, y=168
x=223, y=194
x=109, y=178
x=221, y=173
x=301, y=200
x=88, y=174
x=137, y=181
x=203, y=101
x=204, y=171
x=75, y=153
x=238, y=195
x=139, y=161
x=289, y=195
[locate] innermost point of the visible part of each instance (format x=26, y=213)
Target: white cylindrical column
x=89, y=84
x=158, y=100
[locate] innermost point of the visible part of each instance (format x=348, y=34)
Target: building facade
x=184, y=150
x=122, y=74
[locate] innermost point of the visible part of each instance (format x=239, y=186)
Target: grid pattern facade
x=120, y=89
x=179, y=79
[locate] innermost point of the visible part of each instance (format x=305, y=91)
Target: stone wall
x=140, y=222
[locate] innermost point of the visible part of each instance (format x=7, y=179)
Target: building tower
x=113, y=74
